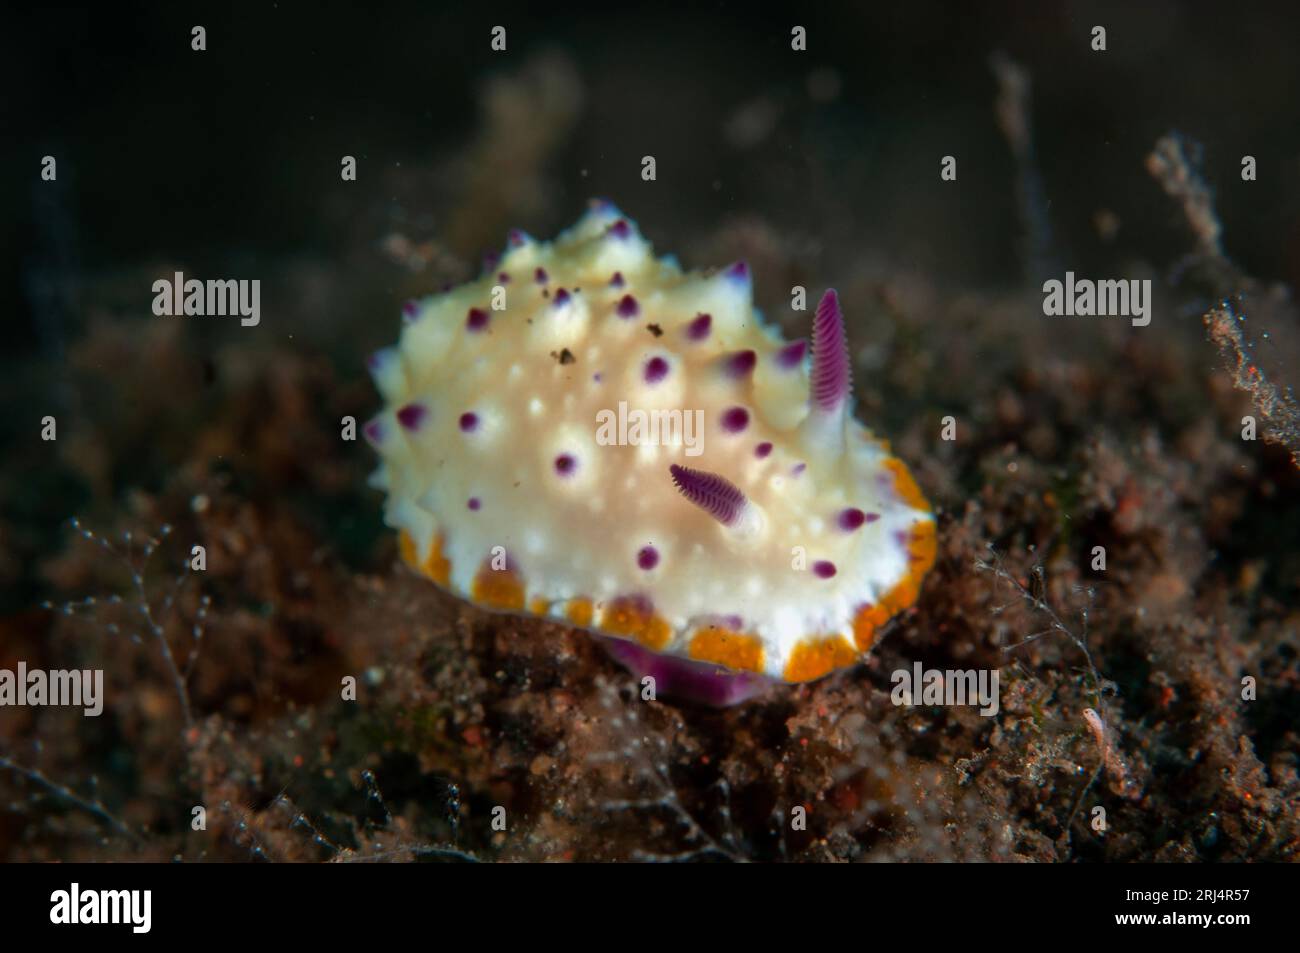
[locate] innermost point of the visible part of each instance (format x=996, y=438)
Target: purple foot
x=704, y=683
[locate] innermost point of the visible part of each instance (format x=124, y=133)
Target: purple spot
x=739, y=271
x=409, y=310
x=540, y=276
x=620, y=229
x=656, y=369
x=565, y=464
x=824, y=568
x=476, y=320
x=791, y=356
x=798, y=468
x=699, y=328
x=647, y=558
x=561, y=298
x=741, y=363
x=374, y=432
x=852, y=518
x=735, y=419
x=627, y=307
x=762, y=450
x=902, y=537
x=598, y=377
x=517, y=237
x=469, y=421
x=473, y=503
x=872, y=517
x=504, y=278
x=617, y=280
x=411, y=415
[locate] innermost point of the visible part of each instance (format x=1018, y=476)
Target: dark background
x=232, y=154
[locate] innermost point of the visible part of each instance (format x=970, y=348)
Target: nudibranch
x=590, y=434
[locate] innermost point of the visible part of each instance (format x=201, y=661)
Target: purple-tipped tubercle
x=699, y=327
x=627, y=307
x=740, y=364
x=738, y=272
x=791, y=356
x=831, y=373
x=411, y=416
x=656, y=369
x=476, y=320
x=735, y=419
x=716, y=495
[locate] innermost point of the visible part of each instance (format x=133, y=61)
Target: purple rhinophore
x=831, y=373
x=717, y=496
x=561, y=298
x=852, y=518
x=620, y=229
x=617, y=280
x=647, y=558
x=741, y=363
x=565, y=464
x=824, y=568
x=791, y=356
x=411, y=416
x=704, y=683
x=763, y=449
x=473, y=503
x=469, y=421
x=627, y=307
x=476, y=320
x=699, y=327
x=735, y=419
x=540, y=276
x=656, y=369
x=410, y=309
x=738, y=272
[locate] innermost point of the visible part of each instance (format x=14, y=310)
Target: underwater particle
x=714, y=604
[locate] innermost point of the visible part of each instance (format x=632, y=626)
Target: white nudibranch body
x=545, y=459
